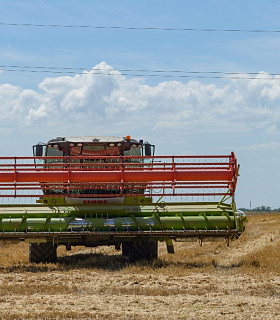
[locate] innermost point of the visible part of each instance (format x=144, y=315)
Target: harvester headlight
x=71, y=144
x=134, y=146
x=55, y=146
x=139, y=146
x=119, y=144
x=79, y=144
x=111, y=144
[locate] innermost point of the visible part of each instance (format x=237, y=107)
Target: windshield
x=58, y=150
x=54, y=151
x=95, y=150
x=134, y=151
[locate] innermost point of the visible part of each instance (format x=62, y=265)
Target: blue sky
x=181, y=115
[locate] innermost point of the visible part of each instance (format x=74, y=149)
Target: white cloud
x=34, y=115
x=91, y=101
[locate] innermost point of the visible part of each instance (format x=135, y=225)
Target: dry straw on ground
x=208, y=282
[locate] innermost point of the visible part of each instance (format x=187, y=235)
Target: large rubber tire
x=43, y=252
x=126, y=248
x=140, y=250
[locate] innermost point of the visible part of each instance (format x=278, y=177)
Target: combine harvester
x=95, y=191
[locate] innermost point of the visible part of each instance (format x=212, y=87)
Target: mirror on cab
x=38, y=150
x=148, y=149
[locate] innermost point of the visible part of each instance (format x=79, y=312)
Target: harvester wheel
x=140, y=250
x=43, y=252
x=126, y=248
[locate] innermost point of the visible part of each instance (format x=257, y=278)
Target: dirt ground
x=209, y=282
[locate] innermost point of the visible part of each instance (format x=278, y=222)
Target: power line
x=138, y=28
x=140, y=72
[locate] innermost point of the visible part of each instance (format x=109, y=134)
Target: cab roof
x=89, y=139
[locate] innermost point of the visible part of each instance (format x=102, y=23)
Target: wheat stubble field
x=208, y=282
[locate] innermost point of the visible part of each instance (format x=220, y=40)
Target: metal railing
x=118, y=176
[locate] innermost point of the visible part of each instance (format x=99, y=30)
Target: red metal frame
x=129, y=176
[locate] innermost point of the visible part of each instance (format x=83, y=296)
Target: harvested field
x=209, y=282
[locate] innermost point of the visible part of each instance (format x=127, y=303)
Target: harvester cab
x=93, y=146
x=89, y=152
x=96, y=191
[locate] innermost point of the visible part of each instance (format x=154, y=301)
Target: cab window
x=53, y=151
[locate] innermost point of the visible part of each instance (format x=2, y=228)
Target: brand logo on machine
x=85, y=201
x=94, y=201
